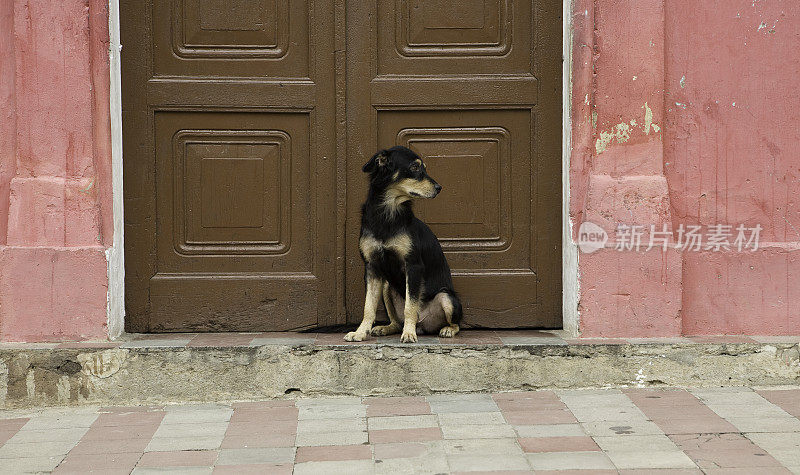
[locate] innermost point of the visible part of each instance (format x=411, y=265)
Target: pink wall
x=733, y=156
x=684, y=112
x=55, y=172
x=720, y=77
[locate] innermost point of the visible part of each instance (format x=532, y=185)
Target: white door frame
x=116, y=253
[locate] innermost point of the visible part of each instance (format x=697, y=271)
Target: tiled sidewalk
x=729, y=430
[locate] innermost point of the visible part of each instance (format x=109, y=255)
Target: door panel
x=466, y=84
x=229, y=129
x=246, y=123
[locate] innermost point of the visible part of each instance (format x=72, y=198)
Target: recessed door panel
x=473, y=86
x=245, y=126
x=229, y=153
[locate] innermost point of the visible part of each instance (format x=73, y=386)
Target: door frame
x=115, y=308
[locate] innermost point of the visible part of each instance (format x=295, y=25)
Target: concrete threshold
x=177, y=368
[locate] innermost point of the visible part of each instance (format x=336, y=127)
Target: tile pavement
x=630, y=431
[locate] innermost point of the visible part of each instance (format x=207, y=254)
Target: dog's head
x=401, y=173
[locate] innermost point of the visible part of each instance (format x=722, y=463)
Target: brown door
x=229, y=164
x=473, y=86
x=246, y=123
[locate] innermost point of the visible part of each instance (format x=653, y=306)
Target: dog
x=403, y=261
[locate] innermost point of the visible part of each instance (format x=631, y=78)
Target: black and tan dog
x=404, y=263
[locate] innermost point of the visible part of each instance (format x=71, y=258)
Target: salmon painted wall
x=724, y=99
x=55, y=191
x=683, y=113
x=733, y=156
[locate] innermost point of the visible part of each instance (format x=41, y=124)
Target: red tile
x=128, y=419
x=102, y=462
x=261, y=429
x=662, y=397
x=526, y=418
x=5, y=435
x=268, y=415
x=693, y=426
x=110, y=446
x=132, y=432
x=333, y=453
x=187, y=458
x=713, y=442
x=679, y=412
x=584, y=472
x=558, y=444
x=286, y=335
x=222, y=340
x=788, y=400
x=662, y=471
x=254, y=469
x=500, y=472
x=528, y=406
x=13, y=424
x=404, y=435
x=532, y=396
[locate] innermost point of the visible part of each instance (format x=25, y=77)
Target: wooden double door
x=245, y=126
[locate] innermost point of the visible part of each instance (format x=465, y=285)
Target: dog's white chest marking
x=400, y=245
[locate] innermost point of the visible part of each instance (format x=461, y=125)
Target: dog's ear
x=378, y=160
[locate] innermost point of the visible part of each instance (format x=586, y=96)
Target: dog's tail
x=458, y=312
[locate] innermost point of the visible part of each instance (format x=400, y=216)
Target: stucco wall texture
x=683, y=112
x=719, y=147
x=55, y=198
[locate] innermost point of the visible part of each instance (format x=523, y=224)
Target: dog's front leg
x=374, y=293
x=411, y=310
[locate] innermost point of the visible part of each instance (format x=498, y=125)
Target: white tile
x=650, y=459
x=570, y=461
x=472, y=418
x=487, y=462
x=332, y=425
x=347, y=467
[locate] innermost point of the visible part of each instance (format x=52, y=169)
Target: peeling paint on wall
x=622, y=132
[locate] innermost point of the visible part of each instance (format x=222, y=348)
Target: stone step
x=174, y=368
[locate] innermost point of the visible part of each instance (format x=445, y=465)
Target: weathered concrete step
x=149, y=372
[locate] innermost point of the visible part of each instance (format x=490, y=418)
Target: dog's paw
x=384, y=330
x=408, y=336
x=449, y=331
x=354, y=336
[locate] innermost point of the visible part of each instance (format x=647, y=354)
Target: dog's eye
x=415, y=168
